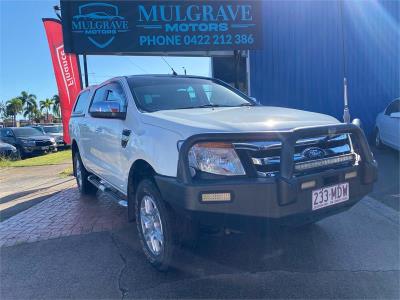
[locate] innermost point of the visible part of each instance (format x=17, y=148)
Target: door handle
x=126, y=133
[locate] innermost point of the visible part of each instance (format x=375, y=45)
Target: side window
x=81, y=102
x=115, y=93
x=6, y=133
x=393, y=107
x=111, y=92
x=99, y=95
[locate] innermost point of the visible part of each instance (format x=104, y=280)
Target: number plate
x=45, y=148
x=330, y=195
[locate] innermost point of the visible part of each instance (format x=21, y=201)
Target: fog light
x=308, y=184
x=215, y=197
x=350, y=175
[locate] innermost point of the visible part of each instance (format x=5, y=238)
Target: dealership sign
x=160, y=26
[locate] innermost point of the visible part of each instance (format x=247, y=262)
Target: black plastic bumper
x=259, y=197
x=280, y=198
x=38, y=149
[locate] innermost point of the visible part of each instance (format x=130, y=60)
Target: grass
x=66, y=173
x=43, y=160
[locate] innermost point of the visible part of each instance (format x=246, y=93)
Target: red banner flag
x=66, y=70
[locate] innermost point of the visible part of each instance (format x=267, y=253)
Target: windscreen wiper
x=246, y=104
x=204, y=106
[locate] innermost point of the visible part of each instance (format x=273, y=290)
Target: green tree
x=29, y=103
x=13, y=108
x=3, y=110
x=46, y=105
x=30, y=110
x=56, y=106
x=37, y=115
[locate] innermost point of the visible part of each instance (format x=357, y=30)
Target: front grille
x=43, y=143
x=310, y=155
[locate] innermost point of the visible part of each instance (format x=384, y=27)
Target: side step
x=107, y=189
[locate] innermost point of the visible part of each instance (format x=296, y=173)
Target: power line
x=137, y=66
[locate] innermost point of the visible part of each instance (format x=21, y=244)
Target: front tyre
x=81, y=175
x=154, y=222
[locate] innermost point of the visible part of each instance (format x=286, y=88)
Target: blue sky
x=25, y=62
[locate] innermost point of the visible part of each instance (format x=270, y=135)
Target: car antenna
x=346, y=111
x=184, y=70
x=173, y=71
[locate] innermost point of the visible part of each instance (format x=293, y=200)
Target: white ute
x=185, y=152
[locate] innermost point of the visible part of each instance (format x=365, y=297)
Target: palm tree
x=29, y=111
x=46, y=104
x=37, y=115
x=29, y=103
x=27, y=98
x=3, y=110
x=56, y=105
x=14, y=107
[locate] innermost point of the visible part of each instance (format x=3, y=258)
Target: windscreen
x=24, y=132
x=53, y=129
x=167, y=93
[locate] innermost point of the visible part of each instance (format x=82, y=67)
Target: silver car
x=387, y=128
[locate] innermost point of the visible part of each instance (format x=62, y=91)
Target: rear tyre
x=378, y=141
x=155, y=225
x=81, y=175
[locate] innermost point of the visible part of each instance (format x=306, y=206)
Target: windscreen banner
x=66, y=70
x=140, y=26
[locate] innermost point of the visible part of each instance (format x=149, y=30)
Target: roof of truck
x=167, y=75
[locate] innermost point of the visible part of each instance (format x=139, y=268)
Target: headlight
x=28, y=143
x=215, y=158
x=52, y=140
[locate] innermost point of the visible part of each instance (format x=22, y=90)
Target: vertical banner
x=66, y=70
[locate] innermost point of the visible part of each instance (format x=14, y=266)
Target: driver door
x=107, y=137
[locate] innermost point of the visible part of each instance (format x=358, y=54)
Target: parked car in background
x=55, y=131
x=387, y=128
x=8, y=151
x=27, y=140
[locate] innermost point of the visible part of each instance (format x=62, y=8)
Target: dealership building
x=284, y=53
x=308, y=46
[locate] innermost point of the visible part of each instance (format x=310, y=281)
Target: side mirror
x=395, y=115
x=255, y=100
x=107, y=110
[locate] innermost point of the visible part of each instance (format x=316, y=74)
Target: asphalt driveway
x=85, y=249
x=352, y=255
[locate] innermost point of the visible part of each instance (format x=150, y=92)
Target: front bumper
x=261, y=197
x=280, y=199
x=38, y=149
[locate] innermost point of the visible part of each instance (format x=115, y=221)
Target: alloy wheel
x=151, y=225
x=78, y=172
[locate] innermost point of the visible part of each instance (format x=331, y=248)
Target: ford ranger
x=185, y=151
